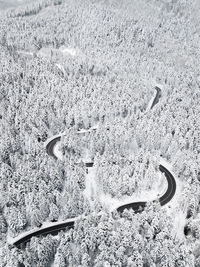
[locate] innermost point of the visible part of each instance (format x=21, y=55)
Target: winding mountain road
x=136, y=206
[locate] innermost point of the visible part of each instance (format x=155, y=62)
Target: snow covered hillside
x=5, y=4
x=120, y=80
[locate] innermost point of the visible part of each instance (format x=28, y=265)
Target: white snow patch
x=45, y=52
x=179, y=223
x=91, y=191
x=62, y=51
x=88, y=130
x=7, y=4
x=57, y=151
x=26, y=53
x=68, y=50
x=87, y=156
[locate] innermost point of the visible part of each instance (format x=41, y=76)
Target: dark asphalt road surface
x=157, y=97
x=53, y=230
x=50, y=146
x=139, y=206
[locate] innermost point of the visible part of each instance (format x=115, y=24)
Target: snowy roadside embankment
x=145, y=196
x=91, y=191
x=57, y=151
x=173, y=207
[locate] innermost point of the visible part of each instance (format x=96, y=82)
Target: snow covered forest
x=86, y=71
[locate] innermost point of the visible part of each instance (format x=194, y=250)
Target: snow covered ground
x=5, y=4
x=91, y=192
x=48, y=52
x=68, y=50
x=57, y=151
